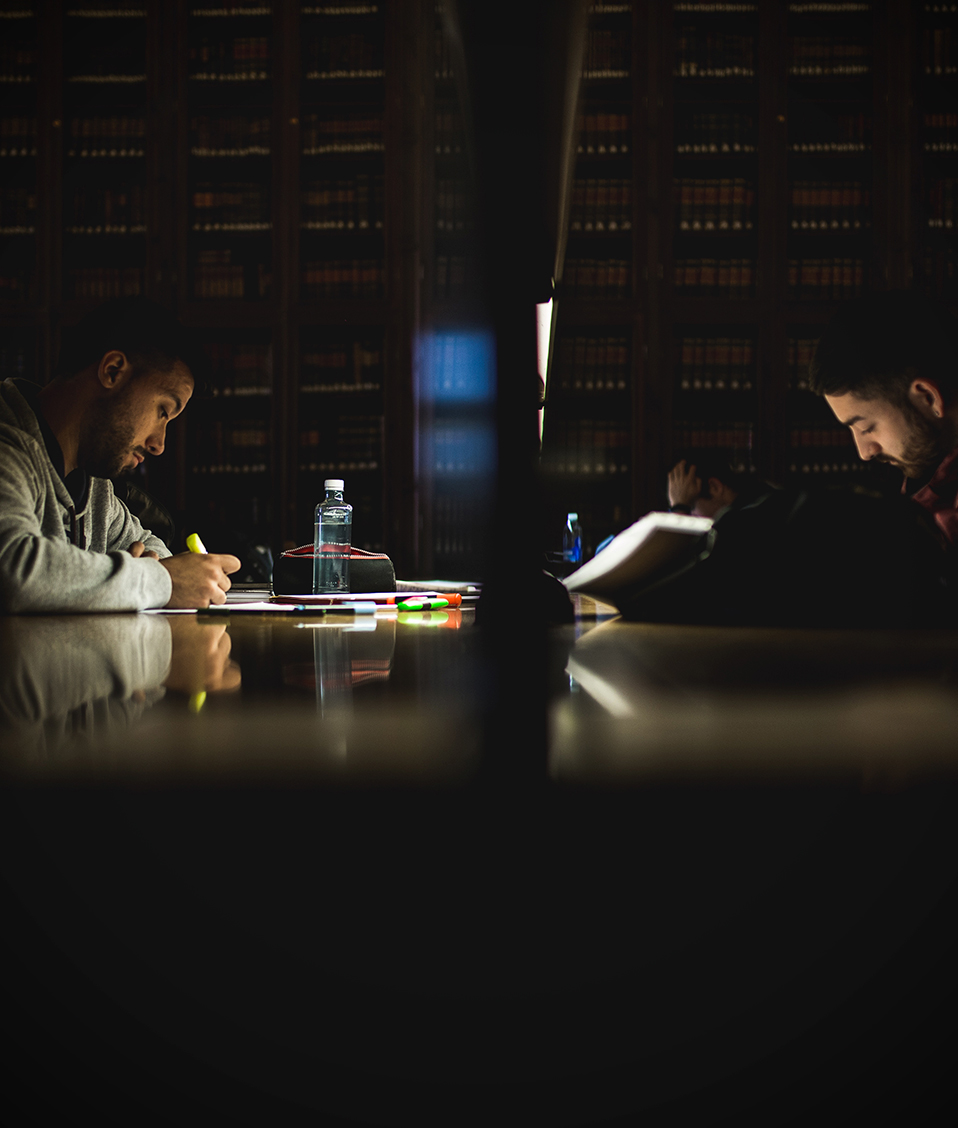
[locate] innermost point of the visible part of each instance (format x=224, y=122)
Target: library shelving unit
x=342, y=259
x=452, y=387
x=104, y=150
x=18, y=187
x=715, y=227
x=590, y=429
x=292, y=179
x=231, y=459
x=782, y=142
x=936, y=158
x=837, y=139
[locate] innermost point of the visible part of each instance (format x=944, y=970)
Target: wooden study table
x=733, y=894
x=399, y=697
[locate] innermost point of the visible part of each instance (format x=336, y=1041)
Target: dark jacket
x=838, y=557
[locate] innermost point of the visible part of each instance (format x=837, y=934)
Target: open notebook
x=639, y=552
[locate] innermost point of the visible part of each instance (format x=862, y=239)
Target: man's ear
x=114, y=370
x=926, y=396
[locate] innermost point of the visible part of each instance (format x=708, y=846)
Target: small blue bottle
x=572, y=540
x=331, y=541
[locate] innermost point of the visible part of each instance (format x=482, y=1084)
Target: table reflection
x=650, y=701
x=71, y=681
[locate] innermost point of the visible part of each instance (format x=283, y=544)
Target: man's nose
x=156, y=443
x=867, y=448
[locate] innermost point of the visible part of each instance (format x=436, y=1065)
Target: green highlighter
x=422, y=604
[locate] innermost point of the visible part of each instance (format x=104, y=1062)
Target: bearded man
x=887, y=366
x=67, y=543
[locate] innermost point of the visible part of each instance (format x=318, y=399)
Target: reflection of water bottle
x=334, y=522
x=572, y=540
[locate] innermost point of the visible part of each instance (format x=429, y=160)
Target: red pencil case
x=368, y=571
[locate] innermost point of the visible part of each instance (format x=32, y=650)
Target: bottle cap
x=572, y=517
x=333, y=484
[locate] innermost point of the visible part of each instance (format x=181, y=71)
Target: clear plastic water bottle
x=572, y=540
x=331, y=541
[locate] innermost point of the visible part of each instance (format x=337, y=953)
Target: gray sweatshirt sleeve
x=124, y=528
x=46, y=573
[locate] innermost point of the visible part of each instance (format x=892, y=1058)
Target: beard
x=108, y=442
x=925, y=445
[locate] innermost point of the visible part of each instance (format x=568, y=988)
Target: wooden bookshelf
x=236, y=193
x=776, y=114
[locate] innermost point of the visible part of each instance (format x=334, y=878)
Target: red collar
x=943, y=484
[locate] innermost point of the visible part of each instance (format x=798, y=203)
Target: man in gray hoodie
x=66, y=542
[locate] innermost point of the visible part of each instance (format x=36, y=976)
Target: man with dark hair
x=887, y=366
x=66, y=542
x=704, y=488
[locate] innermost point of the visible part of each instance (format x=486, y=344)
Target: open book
x=655, y=542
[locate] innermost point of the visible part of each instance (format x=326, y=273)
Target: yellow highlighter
x=194, y=544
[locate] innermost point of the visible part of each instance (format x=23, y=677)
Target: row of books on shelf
x=825, y=56
x=826, y=279
x=601, y=205
x=117, y=210
x=18, y=209
x=244, y=58
x=817, y=465
x=357, y=445
x=449, y=138
x=454, y=211
x=716, y=133
x=232, y=136
x=938, y=53
x=454, y=522
x=715, y=363
x=604, y=133
x=815, y=434
x=230, y=448
x=18, y=136
x=230, y=207
x=598, y=278
x=355, y=55
x=360, y=132
x=708, y=434
x=941, y=133
x=215, y=275
x=846, y=133
x=592, y=364
x=942, y=197
x=442, y=56
x=800, y=351
x=587, y=447
x=460, y=452
x=17, y=62
x=716, y=278
x=452, y=276
x=240, y=370
x=344, y=278
x=713, y=54
x=830, y=205
x=342, y=367
x=724, y=204
x=102, y=282
x=356, y=204
x=608, y=54
x=107, y=136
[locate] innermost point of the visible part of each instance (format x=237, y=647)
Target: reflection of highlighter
x=422, y=618
x=197, y=701
x=194, y=544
